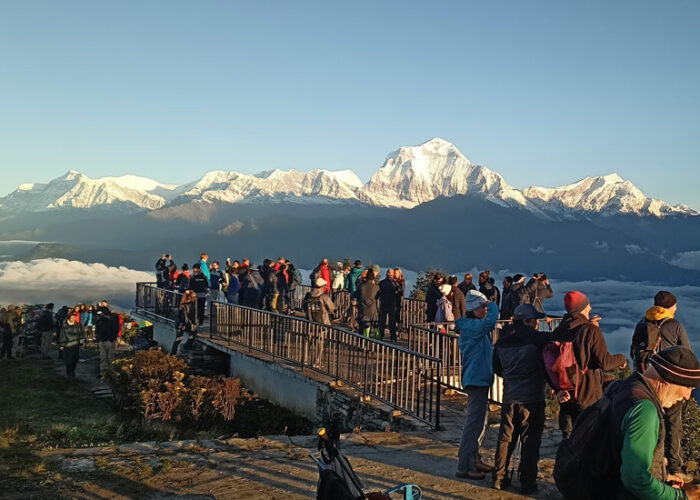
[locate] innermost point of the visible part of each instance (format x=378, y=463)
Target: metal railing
x=439, y=340
x=405, y=380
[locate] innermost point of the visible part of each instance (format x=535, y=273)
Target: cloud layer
x=68, y=282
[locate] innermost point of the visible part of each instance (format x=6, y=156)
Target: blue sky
x=544, y=93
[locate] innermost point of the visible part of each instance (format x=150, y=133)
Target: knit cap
x=575, y=302
x=320, y=283
x=375, y=270
x=677, y=365
x=475, y=299
x=445, y=289
x=665, y=299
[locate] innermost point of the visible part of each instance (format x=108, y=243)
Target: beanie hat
x=320, y=283
x=518, y=278
x=677, y=365
x=445, y=289
x=575, y=302
x=375, y=269
x=475, y=300
x=665, y=299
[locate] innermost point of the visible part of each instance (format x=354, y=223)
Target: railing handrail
x=402, y=378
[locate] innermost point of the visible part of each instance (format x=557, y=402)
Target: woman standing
x=72, y=334
x=187, y=319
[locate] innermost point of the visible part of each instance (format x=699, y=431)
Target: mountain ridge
x=409, y=176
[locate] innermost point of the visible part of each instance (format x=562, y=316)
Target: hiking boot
x=482, y=466
x=470, y=474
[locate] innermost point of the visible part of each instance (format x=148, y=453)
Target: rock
x=78, y=465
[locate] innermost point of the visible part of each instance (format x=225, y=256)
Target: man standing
x=467, y=284
x=199, y=284
x=389, y=292
x=476, y=349
x=517, y=357
x=217, y=280
x=432, y=295
x=631, y=435
x=9, y=325
x=106, y=335
x=459, y=308
x=505, y=305
x=592, y=358
x=661, y=316
x=163, y=270
x=46, y=328
x=539, y=290
x=203, y=266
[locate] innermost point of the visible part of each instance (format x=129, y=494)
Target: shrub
x=690, y=442
x=158, y=387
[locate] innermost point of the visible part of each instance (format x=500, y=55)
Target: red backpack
x=561, y=366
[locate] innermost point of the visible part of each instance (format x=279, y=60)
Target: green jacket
x=71, y=335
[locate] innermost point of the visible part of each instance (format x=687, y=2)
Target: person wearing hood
x=517, y=357
x=592, y=358
x=476, y=350
x=317, y=303
x=444, y=312
x=671, y=333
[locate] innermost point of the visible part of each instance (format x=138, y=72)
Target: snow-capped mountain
x=76, y=190
x=233, y=187
x=608, y=194
x=413, y=175
x=408, y=177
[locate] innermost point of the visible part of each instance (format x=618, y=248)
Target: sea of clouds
x=68, y=282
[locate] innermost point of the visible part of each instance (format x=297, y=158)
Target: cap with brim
x=677, y=365
x=527, y=311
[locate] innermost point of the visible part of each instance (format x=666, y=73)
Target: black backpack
x=645, y=342
x=587, y=464
x=313, y=308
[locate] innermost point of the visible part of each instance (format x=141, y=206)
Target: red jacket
x=325, y=273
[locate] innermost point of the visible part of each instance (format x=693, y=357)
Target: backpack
x=313, y=308
x=561, y=366
x=587, y=464
x=46, y=321
x=444, y=310
x=645, y=341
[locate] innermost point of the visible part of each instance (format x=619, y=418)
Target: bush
x=690, y=442
x=157, y=386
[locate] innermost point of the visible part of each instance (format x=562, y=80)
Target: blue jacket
x=205, y=269
x=476, y=348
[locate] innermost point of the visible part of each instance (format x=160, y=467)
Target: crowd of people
x=375, y=303
x=573, y=361
x=639, y=415
x=69, y=328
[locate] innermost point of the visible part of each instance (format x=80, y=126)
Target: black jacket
x=199, y=283
x=105, y=330
x=367, y=307
x=389, y=291
x=538, y=292
x=517, y=357
x=431, y=297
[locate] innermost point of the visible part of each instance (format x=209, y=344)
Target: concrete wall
x=276, y=384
